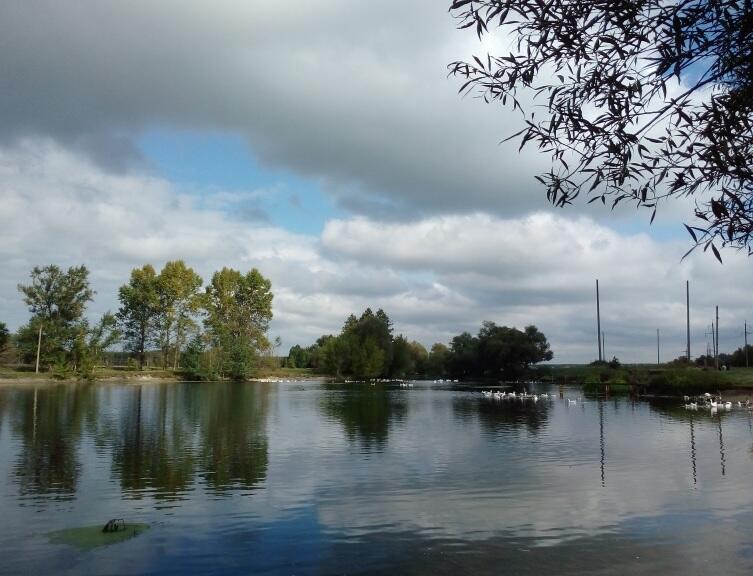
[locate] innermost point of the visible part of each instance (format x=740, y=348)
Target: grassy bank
x=18, y=374
x=645, y=379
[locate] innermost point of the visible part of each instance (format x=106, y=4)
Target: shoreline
x=139, y=379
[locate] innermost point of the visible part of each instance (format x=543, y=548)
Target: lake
x=316, y=478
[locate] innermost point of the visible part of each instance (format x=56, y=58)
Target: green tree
x=299, y=357
x=335, y=355
x=4, y=337
x=91, y=342
x=367, y=359
x=437, y=362
x=419, y=357
x=191, y=358
x=402, y=359
x=57, y=301
x=463, y=358
x=139, y=311
x=508, y=352
x=635, y=101
x=238, y=311
x=497, y=352
x=742, y=357
x=179, y=300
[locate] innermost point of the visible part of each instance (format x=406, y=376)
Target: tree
x=742, y=357
x=139, y=311
x=419, y=357
x=508, y=351
x=497, y=352
x=367, y=359
x=462, y=361
x=402, y=361
x=335, y=356
x=4, y=337
x=179, y=299
x=57, y=301
x=238, y=311
x=298, y=357
x=436, y=364
x=91, y=342
x=644, y=101
x=364, y=349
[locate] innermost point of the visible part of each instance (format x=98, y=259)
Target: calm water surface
x=313, y=478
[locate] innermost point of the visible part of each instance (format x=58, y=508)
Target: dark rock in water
x=114, y=525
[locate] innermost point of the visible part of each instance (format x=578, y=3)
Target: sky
x=322, y=142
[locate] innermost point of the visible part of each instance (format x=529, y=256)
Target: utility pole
x=598, y=321
x=39, y=346
x=716, y=352
x=687, y=313
x=657, y=348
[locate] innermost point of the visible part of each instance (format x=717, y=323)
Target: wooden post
x=598, y=321
x=39, y=346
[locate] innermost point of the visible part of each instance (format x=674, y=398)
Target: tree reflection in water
x=172, y=435
x=152, y=443
x=365, y=412
x=49, y=422
x=234, y=446
x=161, y=437
x=499, y=416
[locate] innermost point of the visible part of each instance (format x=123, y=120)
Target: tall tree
x=179, y=299
x=238, y=311
x=641, y=101
x=139, y=311
x=57, y=301
x=4, y=337
x=497, y=352
x=436, y=363
x=91, y=342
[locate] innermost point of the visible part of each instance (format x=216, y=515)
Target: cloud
x=353, y=95
x=435, y=277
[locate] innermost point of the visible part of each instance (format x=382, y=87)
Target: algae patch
x=89, y=537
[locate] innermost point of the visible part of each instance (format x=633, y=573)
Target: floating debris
x=90, y=537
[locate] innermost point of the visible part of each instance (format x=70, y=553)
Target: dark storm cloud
x=354, y=94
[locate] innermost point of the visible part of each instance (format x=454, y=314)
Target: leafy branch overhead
x=644, y=101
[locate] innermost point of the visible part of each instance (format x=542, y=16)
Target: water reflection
x=365, y=412
x=161, y=438
x=502, y=416
x=460, y=484
x=49, y=422
x=693, y=453
x=601, y=442
x=234, y=446
x=151, y=444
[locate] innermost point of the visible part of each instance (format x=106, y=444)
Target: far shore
x=12, y=377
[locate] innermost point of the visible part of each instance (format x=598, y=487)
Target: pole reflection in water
x=721, y=445
x=601, y=441
x=321, y=479
x=692, y=450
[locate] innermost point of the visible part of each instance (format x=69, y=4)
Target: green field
x=651, y=379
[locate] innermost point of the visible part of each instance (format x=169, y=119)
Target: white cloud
x=435, y=277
